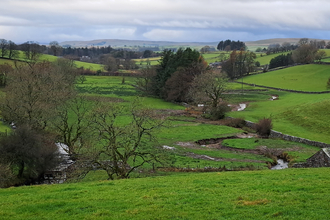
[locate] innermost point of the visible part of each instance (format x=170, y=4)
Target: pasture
x=265, y=59
x=301, y=115
x=312, y=78
x=180, y=129
x=267, y=194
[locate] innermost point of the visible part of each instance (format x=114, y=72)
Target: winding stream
x=280, y=165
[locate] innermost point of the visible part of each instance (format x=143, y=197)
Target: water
x=241, y=107
x=280, y=165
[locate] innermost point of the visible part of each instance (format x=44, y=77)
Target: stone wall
x=276, y=134
x=280, y=89
x=320, y=159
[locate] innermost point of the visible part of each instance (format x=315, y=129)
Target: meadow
x=258, y=194
x=268, y=194
x=181, y=129
x=312, y=77
x=50, y=58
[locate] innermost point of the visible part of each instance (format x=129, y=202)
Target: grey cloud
x=177, y=20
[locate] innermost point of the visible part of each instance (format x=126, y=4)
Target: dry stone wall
x=320, y=159
x=276, y=134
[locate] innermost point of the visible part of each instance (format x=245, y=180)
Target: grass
x=111, y=86
x=265, y=59
x=300, y=152
x=51, y=58
x=290, y=124
x=4, y=61
x=312, y=77
x=283, y=194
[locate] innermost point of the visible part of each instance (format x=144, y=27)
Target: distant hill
x=169, y=44
x=135, y=43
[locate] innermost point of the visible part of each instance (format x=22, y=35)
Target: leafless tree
x=55, y=47
x=12, y=50
x=123, y=147
x=146, y=75
x=4, y=47
x=321, y=54
x=110, y=63
x=305, y=53
x=71, y=123
x=208, y=89
x=33, y=92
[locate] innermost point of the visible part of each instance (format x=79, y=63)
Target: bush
x=264, y=127
x=219, y=112
x=7, y=178
x=234, y=122
x=30, y=153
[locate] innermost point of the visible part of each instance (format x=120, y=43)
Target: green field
x=265, y=59
x=311, y=77
x=311, y=124
x=263, y=194
x=4, y=61
x=284, y=194
x=46, y=57
x=179, y=130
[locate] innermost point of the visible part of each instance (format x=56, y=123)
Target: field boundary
x=276, y=134
x=280, y=89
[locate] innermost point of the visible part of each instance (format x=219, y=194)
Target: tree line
x=228, y=45
x=44, y=108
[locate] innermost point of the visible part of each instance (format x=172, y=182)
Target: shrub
x=264, y=127
x=234, y=122
x=219, y=112
x=7, y=178
x=30, y=153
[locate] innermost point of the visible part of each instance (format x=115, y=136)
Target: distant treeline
x=90, y=54
x=231, y=45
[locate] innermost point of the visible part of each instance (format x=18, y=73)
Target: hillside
x=312, y=77
x=284, y=194
x=141, y=43
x=132, y=43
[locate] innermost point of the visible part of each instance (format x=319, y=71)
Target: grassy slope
x=288, y=125
x=265, y=59
x=284, y=194
x=302, y=115
x=177, y=131
x=46, y=57
x=311, y=77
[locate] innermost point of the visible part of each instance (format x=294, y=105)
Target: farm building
x=320, y=159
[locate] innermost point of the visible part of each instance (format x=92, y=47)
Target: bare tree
x=143, y=82
x=304, y=53
x=110, y=63
x=208, y=89
x=12, y=50
x=124, y=147
x=55, y=47
x=321, y=54
x=32, y=93
x=31, y=50
x=303, y=41
x=71, y=123
x=4, y=47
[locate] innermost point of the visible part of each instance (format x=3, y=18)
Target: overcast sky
x=169, y=20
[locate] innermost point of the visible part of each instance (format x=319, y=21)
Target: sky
x=163, y=20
